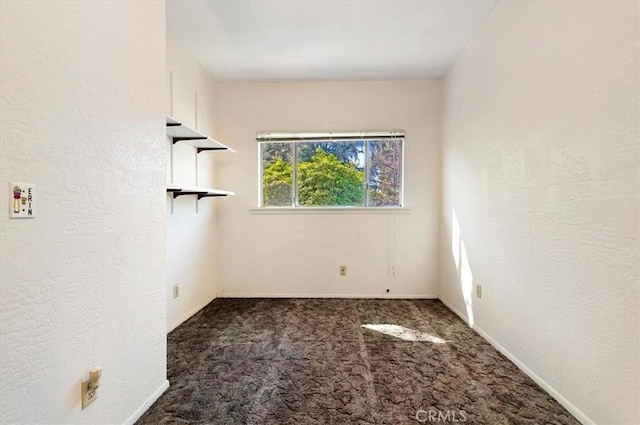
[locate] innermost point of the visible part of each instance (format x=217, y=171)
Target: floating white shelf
x=182, y=133
x=202, y=192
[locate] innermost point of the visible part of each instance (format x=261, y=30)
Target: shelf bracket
x=180, y=193
x=179, y=139
x=211, y=149
x=207, y=195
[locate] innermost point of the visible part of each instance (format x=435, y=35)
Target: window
x=331, y=169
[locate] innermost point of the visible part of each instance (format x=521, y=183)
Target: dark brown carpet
x=341, y=361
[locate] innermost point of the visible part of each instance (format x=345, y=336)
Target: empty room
x=320, y=212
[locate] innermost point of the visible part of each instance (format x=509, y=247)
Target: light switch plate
x=22, y=200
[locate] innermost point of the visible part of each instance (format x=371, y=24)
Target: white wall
x=191, y=225
x=82, y=284
x=299, y=254
x=540, y=165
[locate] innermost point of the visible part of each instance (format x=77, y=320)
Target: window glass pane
x=331, y=173
x=277, y=174
x=384, y=173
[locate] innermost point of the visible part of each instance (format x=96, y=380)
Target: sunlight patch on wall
x=455, y=239
x=463, y=268
x=466, y=282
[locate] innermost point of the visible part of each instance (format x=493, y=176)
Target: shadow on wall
x=462, y=266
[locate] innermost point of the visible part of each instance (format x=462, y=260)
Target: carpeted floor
x=341, y=361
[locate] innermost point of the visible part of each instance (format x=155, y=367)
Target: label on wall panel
x=22, y=202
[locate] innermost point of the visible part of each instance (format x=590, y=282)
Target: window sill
x=329, y=210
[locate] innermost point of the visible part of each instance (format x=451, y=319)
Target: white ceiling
x=297, y=40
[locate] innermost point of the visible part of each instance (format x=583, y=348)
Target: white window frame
x=296, y=138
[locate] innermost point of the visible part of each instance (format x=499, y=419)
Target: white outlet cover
x=22, y=200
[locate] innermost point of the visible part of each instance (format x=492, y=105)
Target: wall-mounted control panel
x=22, y=202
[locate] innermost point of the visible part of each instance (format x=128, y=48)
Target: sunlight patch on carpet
x=404, y=334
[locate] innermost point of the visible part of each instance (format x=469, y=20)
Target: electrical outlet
x=89, y=388
x=89, y=395
x=343, y=270
x=176, y=291
x=479, y=291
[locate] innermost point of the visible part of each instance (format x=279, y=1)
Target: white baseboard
x=193, y=311
x=571, y=408
x=456, y=311
x=147, y=403
x=368, y=296
x=188, y=315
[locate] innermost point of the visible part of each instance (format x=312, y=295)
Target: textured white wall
x=540, y=165
x=298, y=254
x=191, y=235
x=83, y=284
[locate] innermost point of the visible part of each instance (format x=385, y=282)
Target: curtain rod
x=293, y=137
